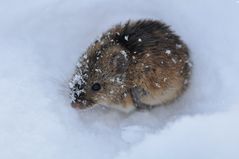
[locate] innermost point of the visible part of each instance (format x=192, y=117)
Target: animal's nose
x=80, y=96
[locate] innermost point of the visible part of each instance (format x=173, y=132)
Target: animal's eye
x=96, y=87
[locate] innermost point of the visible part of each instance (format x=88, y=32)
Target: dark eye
x=96, y=87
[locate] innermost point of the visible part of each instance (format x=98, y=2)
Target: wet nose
x=80, y=96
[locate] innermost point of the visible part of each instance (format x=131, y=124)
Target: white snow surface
x=40, y=42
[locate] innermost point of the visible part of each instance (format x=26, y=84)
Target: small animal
x=137, y=65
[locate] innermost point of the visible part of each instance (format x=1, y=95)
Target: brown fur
x=140, y=64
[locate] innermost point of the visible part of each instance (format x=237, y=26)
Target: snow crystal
x=85, y=56
x=102, y=42
x=139, y=40
x=111, y=92
x=78, y=64
x=122, y=85
x=125, y=94
x=178, y=46
x=124, y=53
x=168, y=52
x=77, y=78
x=112, y=79
x=157, y=85
x=71, y=84
x=174, y=61
x=119, y=80
x=98, y=70
x=98, y=52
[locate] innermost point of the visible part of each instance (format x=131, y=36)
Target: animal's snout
x=75, y=104
x=79, y=96
x=79, y=101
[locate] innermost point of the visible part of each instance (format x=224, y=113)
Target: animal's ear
x=119, y=62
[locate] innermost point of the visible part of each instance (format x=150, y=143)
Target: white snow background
x=40, y=42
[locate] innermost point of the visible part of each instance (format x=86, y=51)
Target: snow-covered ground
x=40, y=42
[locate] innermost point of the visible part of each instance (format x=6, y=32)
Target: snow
x=174, y=61
x=168, y=52
x=194, y=142
x=124, y=54
x=40, y=42
x=178, y=46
